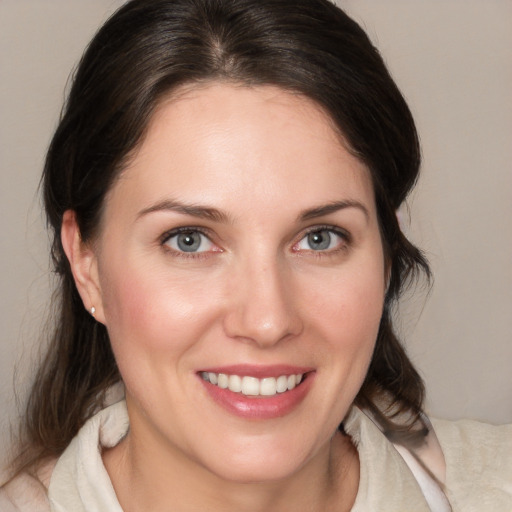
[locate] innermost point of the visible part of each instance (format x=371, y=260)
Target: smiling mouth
x=252, y=386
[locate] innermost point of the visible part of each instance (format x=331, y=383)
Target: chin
x=259, y=462
x=256, y=473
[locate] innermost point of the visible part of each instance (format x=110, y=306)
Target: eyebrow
x=320, y=211
x=194, y=210
x=215, y=215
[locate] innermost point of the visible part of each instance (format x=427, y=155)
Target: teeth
x=235, y=383
x=222, y=380
x=268, y=386
x=251, y=386
x=282, y=384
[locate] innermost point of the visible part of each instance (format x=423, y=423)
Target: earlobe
x=84, y=267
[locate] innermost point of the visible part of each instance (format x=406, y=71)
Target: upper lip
x=258, y=371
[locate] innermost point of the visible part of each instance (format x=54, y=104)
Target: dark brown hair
x=144, y=52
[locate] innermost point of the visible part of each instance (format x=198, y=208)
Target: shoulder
x=27, y=492
x=476, y=445
x=478, y=464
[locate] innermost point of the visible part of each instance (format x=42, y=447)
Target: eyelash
x=164, y=239
x=341, y=233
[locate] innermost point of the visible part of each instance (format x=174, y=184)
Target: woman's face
x=240, y=248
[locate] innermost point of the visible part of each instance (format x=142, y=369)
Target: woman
x=222, y=190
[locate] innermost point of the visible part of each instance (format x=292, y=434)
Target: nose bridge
x=262, y=308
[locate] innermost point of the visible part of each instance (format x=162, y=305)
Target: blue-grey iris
x=189, y=242
x=319, y=240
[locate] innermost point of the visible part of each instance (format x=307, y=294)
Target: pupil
x=320, y=240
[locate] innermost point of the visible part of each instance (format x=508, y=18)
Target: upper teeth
x=252, y=386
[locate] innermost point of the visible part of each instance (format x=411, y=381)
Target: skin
x=256, y=293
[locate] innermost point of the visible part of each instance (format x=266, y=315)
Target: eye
x=323, y=239
x=189, y=241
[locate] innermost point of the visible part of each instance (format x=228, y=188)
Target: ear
x=84, y=265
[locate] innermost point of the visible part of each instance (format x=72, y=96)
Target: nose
x=262, y=307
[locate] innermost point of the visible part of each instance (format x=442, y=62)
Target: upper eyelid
x=343, y=234
x=335, y=229
x=183, y=229
x=166, y=246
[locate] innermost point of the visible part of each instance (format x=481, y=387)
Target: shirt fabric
x=478, y=470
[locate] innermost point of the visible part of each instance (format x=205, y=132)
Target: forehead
x=260, y=145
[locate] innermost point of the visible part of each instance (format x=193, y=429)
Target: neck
x=150, y=474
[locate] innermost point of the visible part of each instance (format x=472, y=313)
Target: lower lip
x=260, y=407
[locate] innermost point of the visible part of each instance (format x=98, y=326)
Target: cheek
x=351, y=301
x=346, y=313
x=150, y=311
